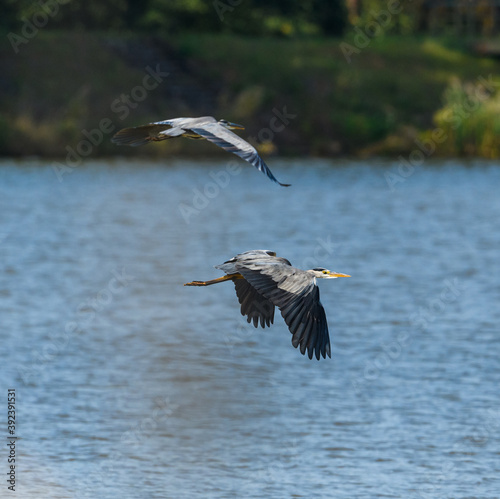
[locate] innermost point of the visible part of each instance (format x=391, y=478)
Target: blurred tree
x=256, y=17
x=354, y=9
x=136, y=10
x=330, y=16
x=12, y=11
x=8, y=17
x=290, y=17
x=394, y=17
x=176, y=15
x=93, y=14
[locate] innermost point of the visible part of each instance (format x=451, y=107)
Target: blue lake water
x=130, y=385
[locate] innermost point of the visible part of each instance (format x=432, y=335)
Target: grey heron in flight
x=264, y=281
x=206, y=127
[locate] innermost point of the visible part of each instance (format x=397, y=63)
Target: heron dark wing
x=231, y=142
x=296, y=295
x=140, y=135
x=255, y=306
x=254, y=259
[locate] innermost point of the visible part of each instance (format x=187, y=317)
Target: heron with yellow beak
x=264, y=281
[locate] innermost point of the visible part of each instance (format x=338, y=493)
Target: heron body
x=205, y=127
x=264, y=281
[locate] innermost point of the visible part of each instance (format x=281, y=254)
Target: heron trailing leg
x=229, y=277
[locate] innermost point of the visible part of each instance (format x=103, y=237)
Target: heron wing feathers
x=294, y=292
x=205, y=127
x=253, y=304
x=159, y=130
x=230, y=142
x=140, y=135
x=257, y=258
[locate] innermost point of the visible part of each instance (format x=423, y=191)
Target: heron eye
x=325, y=271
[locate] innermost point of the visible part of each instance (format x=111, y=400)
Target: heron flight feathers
x=205, y=127
x=264, y=281
x=254, y=305
x=141, y=135
x=230, y=142
x=298, y=302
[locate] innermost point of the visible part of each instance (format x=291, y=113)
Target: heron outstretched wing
x=231, y=142
x=295, y=293
x=252, y=258
x=204, y=127
x=254, y=305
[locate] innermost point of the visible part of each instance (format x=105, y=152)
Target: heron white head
x=231, y=126
x=322, y=273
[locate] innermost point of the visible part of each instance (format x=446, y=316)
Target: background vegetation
x=243, y=60
x=256, y=17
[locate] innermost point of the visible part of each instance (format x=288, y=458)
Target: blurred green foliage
x=395, y=84
x=250, y=56
x=256, y=17
x=443, y=17
x=393, y=16
x=470, y=118
x=379, y=104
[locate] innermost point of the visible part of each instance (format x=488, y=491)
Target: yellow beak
x=336, y=274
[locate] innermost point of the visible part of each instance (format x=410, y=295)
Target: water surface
x=131, y=385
